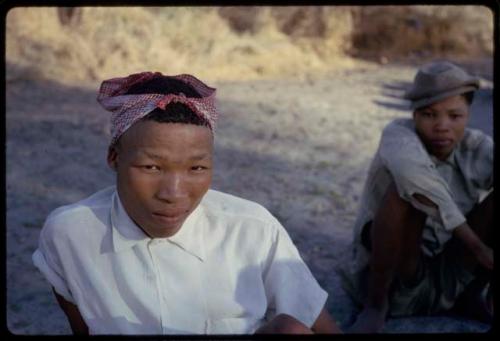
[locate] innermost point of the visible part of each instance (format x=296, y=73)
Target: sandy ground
x=299, y=147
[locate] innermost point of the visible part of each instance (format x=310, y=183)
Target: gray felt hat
x=439, y=80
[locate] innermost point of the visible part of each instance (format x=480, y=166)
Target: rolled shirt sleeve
x=404, y=155
x=289, y=284
x=47, y=259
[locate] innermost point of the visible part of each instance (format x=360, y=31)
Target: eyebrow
x=452, y=110
x=456, y=110
x=200, y=156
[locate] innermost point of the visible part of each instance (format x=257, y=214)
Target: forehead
x=167, y=137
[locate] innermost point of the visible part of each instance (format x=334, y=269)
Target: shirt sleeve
x=483, y=162
x=404, y=155
x=289, y=284
x=48, y=261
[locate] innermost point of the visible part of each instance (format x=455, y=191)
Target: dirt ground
x=299, y=147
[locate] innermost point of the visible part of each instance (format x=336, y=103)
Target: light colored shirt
x=229, y=268
x=455, y=185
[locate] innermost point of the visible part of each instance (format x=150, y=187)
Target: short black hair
x=163, y=85
x=174, y=112
x=469, y=97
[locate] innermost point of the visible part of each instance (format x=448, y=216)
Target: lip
x=441, y=142
x=169, y=218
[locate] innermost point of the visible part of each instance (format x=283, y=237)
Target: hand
x=484, y=256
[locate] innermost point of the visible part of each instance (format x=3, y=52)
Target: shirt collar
x=450, y=160
x=190, y=237
x=126, y=233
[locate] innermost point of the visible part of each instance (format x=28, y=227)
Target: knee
x=396, y=215
x=393, y=201
x=393, y=207
x=398, y=206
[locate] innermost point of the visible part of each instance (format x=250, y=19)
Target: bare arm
x=78, y=325
x=286, y=324
x=482, y=252
x=325, y=324
x=283, y=324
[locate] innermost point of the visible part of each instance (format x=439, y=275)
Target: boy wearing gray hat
x=423, y=234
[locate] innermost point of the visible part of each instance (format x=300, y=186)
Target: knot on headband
x=129, y=108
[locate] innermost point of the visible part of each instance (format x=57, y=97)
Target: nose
x=442, y=124
x=171, y=188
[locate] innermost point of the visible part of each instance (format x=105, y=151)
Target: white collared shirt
x=231, y=267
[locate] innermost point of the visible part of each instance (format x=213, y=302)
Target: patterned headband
x=128, y=109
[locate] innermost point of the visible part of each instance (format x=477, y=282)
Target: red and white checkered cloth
x=127, y=109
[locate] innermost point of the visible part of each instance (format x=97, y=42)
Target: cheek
x=200, y=185
x=136, y=184
x=459, y=131
x=423, y=127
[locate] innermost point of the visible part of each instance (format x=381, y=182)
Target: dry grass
x=213, y=43
x=232, y=43
x=420, y=32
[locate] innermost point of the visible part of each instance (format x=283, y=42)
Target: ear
x=112, y=158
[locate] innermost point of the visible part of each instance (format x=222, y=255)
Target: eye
x=150, y=168
x=198, y=168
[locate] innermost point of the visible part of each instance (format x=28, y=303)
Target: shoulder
x=241, y=228
x=400, y=144
x=236, y=211
x=475, y=154
x=400, y=124
x=220, y=203
x=402, y=131
x=79, y=219
x=475, y=139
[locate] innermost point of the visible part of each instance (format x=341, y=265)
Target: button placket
x=155, y=276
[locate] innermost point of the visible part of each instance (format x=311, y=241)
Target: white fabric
x=230, y=267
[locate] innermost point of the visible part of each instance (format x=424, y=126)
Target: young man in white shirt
x=161, y=253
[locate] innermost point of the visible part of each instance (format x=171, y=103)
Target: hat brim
x=430, y=100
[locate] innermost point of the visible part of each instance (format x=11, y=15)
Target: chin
x=166, y=231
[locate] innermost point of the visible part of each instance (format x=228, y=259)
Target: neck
x=442, y=156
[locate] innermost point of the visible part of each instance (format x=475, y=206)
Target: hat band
x=433, y=99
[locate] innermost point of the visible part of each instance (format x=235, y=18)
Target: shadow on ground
x=56, y=154
x=56, y=147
